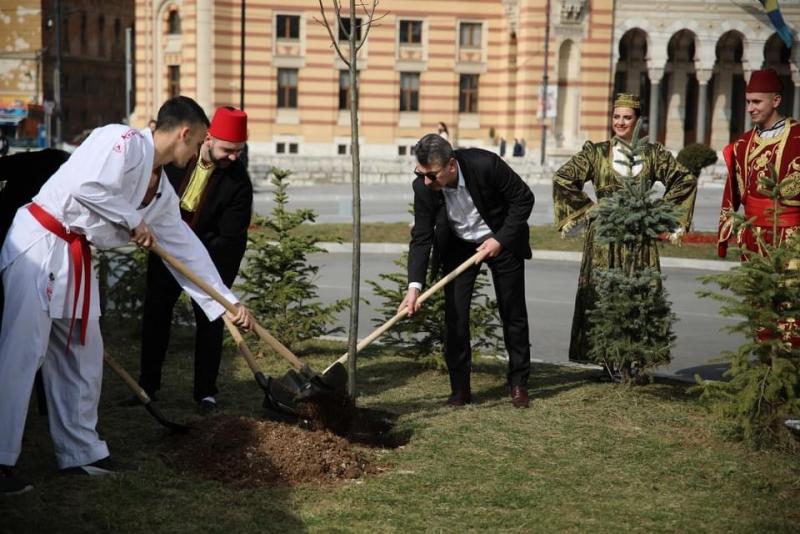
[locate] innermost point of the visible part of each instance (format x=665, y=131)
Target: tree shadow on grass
x=545, y=381
x=381, y=376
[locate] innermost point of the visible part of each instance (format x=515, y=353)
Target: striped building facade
x=476, y=65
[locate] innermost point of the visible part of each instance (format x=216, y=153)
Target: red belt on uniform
x=762, y=210
x=81, y=256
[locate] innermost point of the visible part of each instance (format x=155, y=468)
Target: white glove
x=676, y=237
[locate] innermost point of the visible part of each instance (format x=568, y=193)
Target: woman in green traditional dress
x=599, y=163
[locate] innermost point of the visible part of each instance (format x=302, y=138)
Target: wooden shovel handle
x=214, y=294
x=244, y=350
x=127, y=378
x=473, y=260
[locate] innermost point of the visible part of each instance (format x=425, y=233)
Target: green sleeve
x=570, y=202
x=680, y=184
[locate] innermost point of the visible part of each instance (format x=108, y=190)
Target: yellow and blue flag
x=775, y=16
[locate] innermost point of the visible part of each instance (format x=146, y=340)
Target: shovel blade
x=336, y=377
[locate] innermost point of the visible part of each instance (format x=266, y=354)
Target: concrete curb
x=549, y=255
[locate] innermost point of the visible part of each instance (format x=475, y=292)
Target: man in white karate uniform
x=111, y=191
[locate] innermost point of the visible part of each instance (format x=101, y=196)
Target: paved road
x=551, y=284
x=391, y=202
x=550, y=294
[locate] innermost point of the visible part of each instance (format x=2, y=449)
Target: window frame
x=409, y=32
x=341, y=29
x=287, y=95
x=289, y=21
x=474, y=42
x=409, y=97
x=468, y=96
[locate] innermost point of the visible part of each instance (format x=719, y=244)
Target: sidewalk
x=550, y=255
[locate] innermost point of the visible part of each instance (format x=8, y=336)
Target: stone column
x=205, y=58
x=703, y=77
x=676, y=107
x=655, y=82
x=796, y=101
x=748, y=121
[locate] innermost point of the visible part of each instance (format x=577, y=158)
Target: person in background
x=443, y=132
x=4, y=144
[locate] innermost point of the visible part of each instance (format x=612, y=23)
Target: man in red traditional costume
x=774, y=142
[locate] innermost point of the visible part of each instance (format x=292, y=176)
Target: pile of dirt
x=245, y=452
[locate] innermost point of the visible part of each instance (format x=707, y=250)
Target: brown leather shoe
x=459, y=398
x=519, y=397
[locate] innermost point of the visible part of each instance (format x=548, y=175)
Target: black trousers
x=508, y=276
x=160, y=298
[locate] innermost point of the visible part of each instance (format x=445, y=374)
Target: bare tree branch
x=370, y=20
x=325, y=23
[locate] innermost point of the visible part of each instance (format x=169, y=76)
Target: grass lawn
x=542, y=238
x=587, y=456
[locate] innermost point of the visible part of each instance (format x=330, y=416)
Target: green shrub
x=763, y=382
x=696, y=156
x=278, y=282
x=422, y=336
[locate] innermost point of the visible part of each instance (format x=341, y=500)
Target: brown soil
x=247, y=453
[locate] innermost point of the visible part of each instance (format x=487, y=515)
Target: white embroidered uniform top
x=98, y=192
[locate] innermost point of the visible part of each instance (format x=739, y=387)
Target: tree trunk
x=352, y=340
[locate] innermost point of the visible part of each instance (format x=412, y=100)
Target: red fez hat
x=229, y=125
x=764, y=81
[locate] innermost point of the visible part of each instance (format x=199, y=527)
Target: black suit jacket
x=223, y=214
x=502, y=199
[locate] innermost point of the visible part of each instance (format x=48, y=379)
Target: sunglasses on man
x=429, y=175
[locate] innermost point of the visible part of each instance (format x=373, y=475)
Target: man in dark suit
x=465, y=201
x=216, y=201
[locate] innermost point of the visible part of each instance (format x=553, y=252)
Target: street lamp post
x=57, y=95
x=545, y=79
x=241, y=60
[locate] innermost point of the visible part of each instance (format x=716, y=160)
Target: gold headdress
x=627, y=100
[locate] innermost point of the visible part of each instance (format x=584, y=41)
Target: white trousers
x=31, y=339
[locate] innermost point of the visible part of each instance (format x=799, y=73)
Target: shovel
x=142, y=395
x=310, y=383
x=473, y=260
x=277, y=399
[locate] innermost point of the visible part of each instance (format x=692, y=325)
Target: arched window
x=174, y=22
x=84, y=40
x=117, y=32
x=101, y=36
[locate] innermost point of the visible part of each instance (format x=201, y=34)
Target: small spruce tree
x=631, y=323
x=763, y=386
x=122, y=282
x=422, y=336
x=277, y=280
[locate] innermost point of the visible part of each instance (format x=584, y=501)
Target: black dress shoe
x=206, y=406
x=462, y=397
x=519, y=397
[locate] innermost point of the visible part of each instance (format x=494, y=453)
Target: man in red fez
x=774, y=142
x=216, y=200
